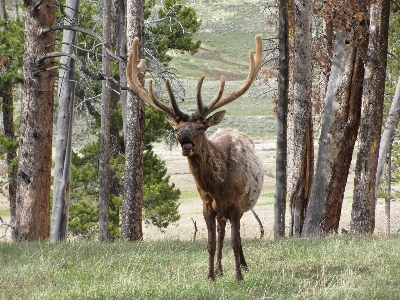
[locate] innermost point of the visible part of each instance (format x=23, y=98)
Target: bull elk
x=228, y=173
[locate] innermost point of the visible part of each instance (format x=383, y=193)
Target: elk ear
x=215, y=119
x=172, y=123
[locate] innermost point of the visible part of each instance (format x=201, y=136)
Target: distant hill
x=227, y=34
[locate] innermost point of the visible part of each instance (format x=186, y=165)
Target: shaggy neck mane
x=208, y=168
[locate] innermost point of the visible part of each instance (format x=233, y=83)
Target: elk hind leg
x=236, y=243
x=221, y=236
x=243, y=263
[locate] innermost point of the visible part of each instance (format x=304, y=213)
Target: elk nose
x=185, y=134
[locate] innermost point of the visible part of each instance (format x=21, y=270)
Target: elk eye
x=202, y=128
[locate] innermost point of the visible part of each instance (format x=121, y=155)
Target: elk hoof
x=218, y=272
x=239, y=277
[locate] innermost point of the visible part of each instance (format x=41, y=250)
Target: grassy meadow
x=322, y=268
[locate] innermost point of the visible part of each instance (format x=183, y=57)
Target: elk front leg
x=209, y=217
x=221, y=236
x=236, y=243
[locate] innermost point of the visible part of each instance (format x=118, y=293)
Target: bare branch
x=259, y=223
x=195, y=230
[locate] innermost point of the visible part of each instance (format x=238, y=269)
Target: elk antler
x=174, y=111
x=219, y=101
x=132, y=75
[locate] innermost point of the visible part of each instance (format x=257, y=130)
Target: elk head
x=190, y=129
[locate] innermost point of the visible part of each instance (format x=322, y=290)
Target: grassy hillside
x=227, y=34
x=326, y=268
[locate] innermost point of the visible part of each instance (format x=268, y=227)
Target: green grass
x=324, y=268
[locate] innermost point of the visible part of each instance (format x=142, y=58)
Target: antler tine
x=255, y=64
x=178, y=113
x=217, y=96
x=200, y=106
x=136, y=86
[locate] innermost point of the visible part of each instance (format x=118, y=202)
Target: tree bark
x=281, y=144
x=104, y=189
x=123, y=51
x=131, y=227
x=36, y=130
x=301, y=144
x=66, y=94
x=364, y=198
x=340, y=122
x=388, y=194
x=388, y=136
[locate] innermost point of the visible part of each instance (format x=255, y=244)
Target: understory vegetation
x=325, y=268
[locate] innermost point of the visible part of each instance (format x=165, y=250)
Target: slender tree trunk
x=340, y=122
x=3, y=14
x=131, y=227
x=104, y=190
x=123, y=51
x=302, y=143
x=36, y=130
x=388, y=136
x=364, y=198
x=66, y=94
x=290, y=155
x=281, y=144
x=388, y=194
x=16, y=9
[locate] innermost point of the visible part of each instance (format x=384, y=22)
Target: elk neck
x=208, y=166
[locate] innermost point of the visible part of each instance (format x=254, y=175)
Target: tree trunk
x=131, y=227
x=36, y=130
x=3, y=13
x=66, y=94
x=281, y=144
x=388, y=194
x=122, y=50
x=364, y=199
x=302, y=138
x=388, y=136
x=340, y=122
x=104, y=190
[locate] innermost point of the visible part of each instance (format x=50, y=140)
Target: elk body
x=228, y=173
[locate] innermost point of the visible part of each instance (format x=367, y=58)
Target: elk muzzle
x=185, y=139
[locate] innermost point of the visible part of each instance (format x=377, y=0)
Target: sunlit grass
x=323, y=268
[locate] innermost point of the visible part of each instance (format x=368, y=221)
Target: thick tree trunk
x=131, y=227
x=340, y=122
x=104, y=189
x=281, y=144
x=388, y=136
x=66, y=94
x=36, y=130
x=364, y=198
x=301, y=142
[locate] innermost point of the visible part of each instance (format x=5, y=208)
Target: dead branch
x=195, y=230
x=259, y=223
